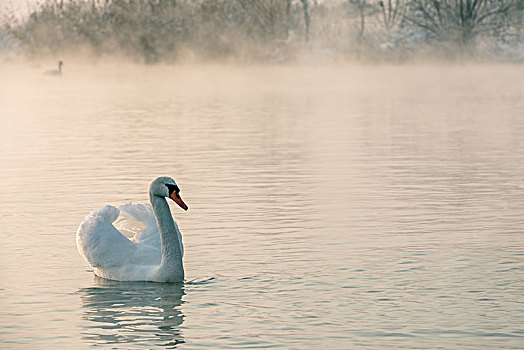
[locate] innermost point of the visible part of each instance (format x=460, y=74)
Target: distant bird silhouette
x=54, y=71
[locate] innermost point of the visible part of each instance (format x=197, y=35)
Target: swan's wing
x=139, y=220
x=100, y=243
x=179, y=238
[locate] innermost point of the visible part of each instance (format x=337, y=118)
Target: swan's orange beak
x=178, y=200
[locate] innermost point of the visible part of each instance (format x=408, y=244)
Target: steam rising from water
x=268, y=31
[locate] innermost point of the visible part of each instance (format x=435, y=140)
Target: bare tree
x=393, y=12
x=307, y=19
x=268, y=16
x=459, y=20
x=361, y=6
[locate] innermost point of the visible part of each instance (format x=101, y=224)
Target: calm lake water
x=330, y=207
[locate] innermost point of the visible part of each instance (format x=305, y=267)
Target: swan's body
x=154, y=254
x=54, y=71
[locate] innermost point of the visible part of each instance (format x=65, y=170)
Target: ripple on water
x=330, y=207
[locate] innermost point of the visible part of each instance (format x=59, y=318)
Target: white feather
x=146, y=255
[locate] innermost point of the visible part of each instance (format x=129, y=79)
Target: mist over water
x=265, y=31
x=330, y=206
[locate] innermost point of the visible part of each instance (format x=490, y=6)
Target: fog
x=265, y=31
x=353, y=171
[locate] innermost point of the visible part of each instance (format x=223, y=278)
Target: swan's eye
x=173, y=188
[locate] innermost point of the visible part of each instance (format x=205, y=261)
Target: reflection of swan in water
x=132, y=312
x=115, y=257
x=54, y=71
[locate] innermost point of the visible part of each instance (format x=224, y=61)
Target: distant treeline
x=269, y=30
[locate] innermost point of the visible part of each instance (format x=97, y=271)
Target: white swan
x=152, y=255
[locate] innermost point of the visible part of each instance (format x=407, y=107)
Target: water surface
x=330, y=207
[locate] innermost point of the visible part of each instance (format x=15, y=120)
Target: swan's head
x=165, y=186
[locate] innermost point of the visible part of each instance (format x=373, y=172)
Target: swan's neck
x=171, y=253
